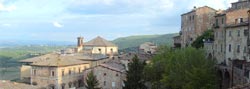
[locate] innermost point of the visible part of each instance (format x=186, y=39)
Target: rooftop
x=197, y=9
x=114, y=65
x=99, y=41
x=14, y=85
x=55, y=59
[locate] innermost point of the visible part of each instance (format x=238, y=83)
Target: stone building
x=100, y=46
x=236, y=45
x=110, y=75
x=230, y=46
x=194, y=23
x=58, y=72
x=148, y=47
x=177, y=41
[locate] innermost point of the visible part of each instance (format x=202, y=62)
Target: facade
x=194, y=23
x=230, y=46
x=110, y=75
x=148, y=47
x=219, y=37
x=55, y=71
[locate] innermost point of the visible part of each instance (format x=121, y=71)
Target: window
x=238, y=33
x=63, y=86
x=222, y=21
x=70, y=85
x=217, y=22
x=104, y=83
x=34, y=72
x=246, y=74
x=191, y=39
x=62, y=72
x=117, y=75
x=245, y=32
x=241, y=20
x=113, y=84
x=69, y=71
x=229, y=48
x=111, y=50
x=238, y=48
x=221, y=48
x=52, y=87
x=230, y=33
x=85, y=67
x=104, y=74
x=245, y=49
x=236, y=21
x=52, y=73
x=100, y=50
x=193, y=17
x=74, y=70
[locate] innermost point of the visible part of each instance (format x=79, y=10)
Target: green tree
x=91, y=81
x=198, y=43
x=181, y=69
x=135, y=75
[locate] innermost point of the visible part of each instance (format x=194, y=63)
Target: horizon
x=67, y=19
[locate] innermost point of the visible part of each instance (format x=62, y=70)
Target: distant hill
x=134, y=41
x=14, y=43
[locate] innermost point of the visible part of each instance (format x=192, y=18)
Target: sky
x=64, y=20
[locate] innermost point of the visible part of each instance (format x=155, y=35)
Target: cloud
x=6, y=25
x=7, y=8
x=57, y=24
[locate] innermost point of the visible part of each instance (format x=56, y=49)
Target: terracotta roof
x=58, y=61
x=78, y=56
x=199, y=8
x=114, y=65
x=99, y=41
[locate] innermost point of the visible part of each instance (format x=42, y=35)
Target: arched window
x=63, y=86
x=111, y=50
x=52, y=86
x=70, y=84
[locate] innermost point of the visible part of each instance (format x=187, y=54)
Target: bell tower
x=79, y=41
x=79, y=44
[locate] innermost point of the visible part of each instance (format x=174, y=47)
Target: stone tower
x=79, y=44
x=79, y=41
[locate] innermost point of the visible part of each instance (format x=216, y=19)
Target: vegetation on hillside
x=181, y=69
x=23, y=52
x=135, y=41
x=207, y=35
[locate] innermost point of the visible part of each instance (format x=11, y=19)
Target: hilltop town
x=211, y=51
x=68, y=69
